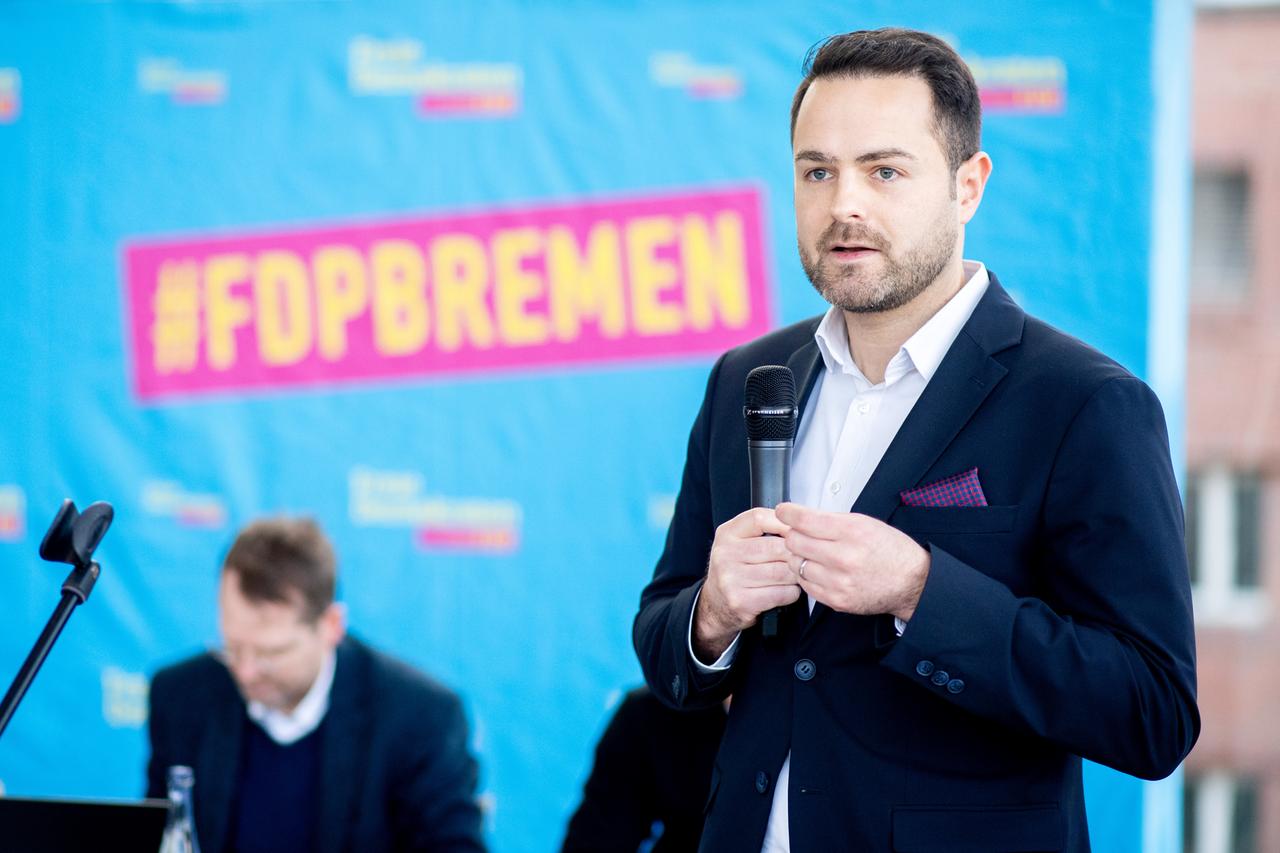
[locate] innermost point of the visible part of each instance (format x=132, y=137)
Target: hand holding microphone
x=749, y=573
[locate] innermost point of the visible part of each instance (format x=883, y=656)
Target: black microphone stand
x=72, y=538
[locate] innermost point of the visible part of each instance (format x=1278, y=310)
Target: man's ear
x=971, y=182
x=333, y=623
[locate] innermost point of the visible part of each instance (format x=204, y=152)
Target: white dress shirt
x=286, y=727
x=846, y=429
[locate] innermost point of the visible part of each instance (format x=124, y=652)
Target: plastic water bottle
x=180, y=829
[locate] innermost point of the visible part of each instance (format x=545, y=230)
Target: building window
x=1224, y=515
x=1221, y=244
x=1219, y=814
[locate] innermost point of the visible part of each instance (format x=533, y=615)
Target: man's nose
x=245, y=668
x=848, y=201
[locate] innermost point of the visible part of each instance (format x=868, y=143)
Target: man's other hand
x=854, y=563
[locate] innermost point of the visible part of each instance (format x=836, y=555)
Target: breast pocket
x=954, y=519
x=984, y=537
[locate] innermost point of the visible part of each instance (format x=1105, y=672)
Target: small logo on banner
x=13, y=513
x=10, y=95
x=399, y=67
x=1020, y=84
x=675, y=70
x=124, y=698
x=589, y=282
x=184, y=86
x=399, y=499
x=168, y=499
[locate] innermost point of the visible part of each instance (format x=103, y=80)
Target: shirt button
x=864, y=407
x=835, y=488
x=805, y=669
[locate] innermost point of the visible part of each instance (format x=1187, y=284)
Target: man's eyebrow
x=885, y=154
x=815, y=156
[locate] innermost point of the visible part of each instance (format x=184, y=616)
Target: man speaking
x=982, y=573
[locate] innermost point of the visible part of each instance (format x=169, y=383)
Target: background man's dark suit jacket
x=652, y=764
x=1063, y=610
x=396, y=771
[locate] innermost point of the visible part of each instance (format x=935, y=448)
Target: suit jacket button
x=925, y=668
x=805, y=669
x=940, y=677
x=955, y=685
x=762, y=782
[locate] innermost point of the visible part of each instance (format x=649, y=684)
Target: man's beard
x=856, y=290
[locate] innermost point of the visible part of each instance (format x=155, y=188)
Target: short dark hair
x=957, y=107
x=285, y=560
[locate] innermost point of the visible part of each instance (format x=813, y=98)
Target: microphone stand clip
x=72, y=538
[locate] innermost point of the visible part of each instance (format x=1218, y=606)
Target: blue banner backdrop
x=497, y=497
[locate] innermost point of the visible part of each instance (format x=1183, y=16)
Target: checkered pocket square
x=956, y=490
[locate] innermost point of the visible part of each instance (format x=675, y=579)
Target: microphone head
x=770, y=409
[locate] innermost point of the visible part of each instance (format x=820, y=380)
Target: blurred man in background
x=303, y=738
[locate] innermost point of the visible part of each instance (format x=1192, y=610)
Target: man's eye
x=884, y=173
x=818, y=174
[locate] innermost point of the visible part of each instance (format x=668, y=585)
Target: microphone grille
x=770, y=409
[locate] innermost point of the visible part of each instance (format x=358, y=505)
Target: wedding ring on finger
x=803, y=560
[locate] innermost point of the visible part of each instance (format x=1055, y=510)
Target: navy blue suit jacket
x=396, y=773
x=1055, y=622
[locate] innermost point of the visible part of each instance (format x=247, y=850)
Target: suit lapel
x=804, y=364
x=964, y=379
x=967, y=374
x=340, y=748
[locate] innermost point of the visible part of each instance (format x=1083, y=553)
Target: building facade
x=1233, y=429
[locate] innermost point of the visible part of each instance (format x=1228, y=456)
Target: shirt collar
x=286, y=727
x=924, y=350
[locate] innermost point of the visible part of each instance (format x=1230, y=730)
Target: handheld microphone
x=771, y=414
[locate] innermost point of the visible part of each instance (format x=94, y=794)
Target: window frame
x=1214, y=549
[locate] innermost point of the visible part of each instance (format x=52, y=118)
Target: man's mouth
x=851, y=250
